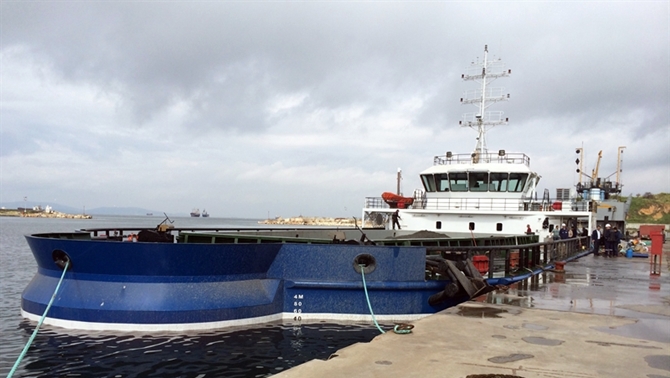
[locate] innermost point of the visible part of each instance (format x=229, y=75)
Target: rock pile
x=310, y=221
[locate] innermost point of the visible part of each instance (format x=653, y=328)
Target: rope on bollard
x=32, y=337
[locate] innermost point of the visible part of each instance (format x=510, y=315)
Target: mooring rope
x=474, y=241
x=32, y=337
x=367, y=297
x=399, y=328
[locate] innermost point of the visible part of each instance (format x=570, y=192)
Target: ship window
x=471, y=226
x=438, y=225
x=458, y=181
x=517, y=181
x=498, y=226
x=428, y=182
x=498, y=182
x=479, y=181
x=442, y=182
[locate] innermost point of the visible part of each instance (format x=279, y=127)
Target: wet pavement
x=606, y=286
x=602, y=317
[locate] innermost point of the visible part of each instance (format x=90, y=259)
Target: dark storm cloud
x=330, y=97
x=226, y=60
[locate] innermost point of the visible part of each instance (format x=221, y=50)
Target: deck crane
x=595, y=181
x=594, y=174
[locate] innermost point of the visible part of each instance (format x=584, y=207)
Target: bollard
x=559, y=266
x=656, y=253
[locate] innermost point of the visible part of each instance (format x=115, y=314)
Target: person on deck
x=396, y=216
x=563, y=233
x=595, y=237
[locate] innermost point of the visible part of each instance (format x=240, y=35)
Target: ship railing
x=500, y=157
x=510, y=260
x=485, y=204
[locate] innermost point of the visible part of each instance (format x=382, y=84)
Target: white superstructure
x=482, y=193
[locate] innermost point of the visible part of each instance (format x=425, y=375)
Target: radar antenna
x=484, y=72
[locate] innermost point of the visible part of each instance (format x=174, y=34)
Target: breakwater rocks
x=42, y=214
x=310, y=221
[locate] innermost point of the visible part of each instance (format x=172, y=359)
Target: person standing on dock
x=396, y=216
x=617, y=240
x=595, y=237
x=610, y=241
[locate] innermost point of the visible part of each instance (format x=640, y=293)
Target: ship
x=462, y=236
x=195, y=213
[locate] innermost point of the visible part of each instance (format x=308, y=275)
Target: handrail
x=528, y=256
x=482, y=204
x=501, y=247
x=504, y=158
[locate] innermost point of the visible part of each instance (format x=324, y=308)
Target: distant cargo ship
x=195, y=213
x=205, y=214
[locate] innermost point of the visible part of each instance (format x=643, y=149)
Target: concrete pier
x=602, y=317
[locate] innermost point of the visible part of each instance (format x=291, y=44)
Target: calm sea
x=256, y=351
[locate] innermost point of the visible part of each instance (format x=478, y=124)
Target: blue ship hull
x=114, y=285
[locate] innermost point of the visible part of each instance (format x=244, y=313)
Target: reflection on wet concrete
x=618, y=287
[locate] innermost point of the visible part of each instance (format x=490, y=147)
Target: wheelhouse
x=475, y=181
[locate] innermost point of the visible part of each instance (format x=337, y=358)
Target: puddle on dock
x=542, y=341
x=480, y=312
x=658, y=362
x=535, y=327
x=510, y=358
x=595, y=285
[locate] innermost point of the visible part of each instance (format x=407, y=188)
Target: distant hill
x=73, y=210
x=650, y=209
x=121, y=211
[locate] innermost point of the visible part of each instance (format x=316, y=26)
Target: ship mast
x=484, y=72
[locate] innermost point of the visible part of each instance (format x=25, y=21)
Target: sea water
x=251, y=351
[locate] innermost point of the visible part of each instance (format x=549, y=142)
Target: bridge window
x=428, y=182
x=479, y=181
x=458, y=181
x=499, y=182
x=442, y=181
x=517, y=181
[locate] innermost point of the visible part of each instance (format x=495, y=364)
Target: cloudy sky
x=250, y=109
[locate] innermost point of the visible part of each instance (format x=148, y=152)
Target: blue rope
x=367, y=297
x=32, y=337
